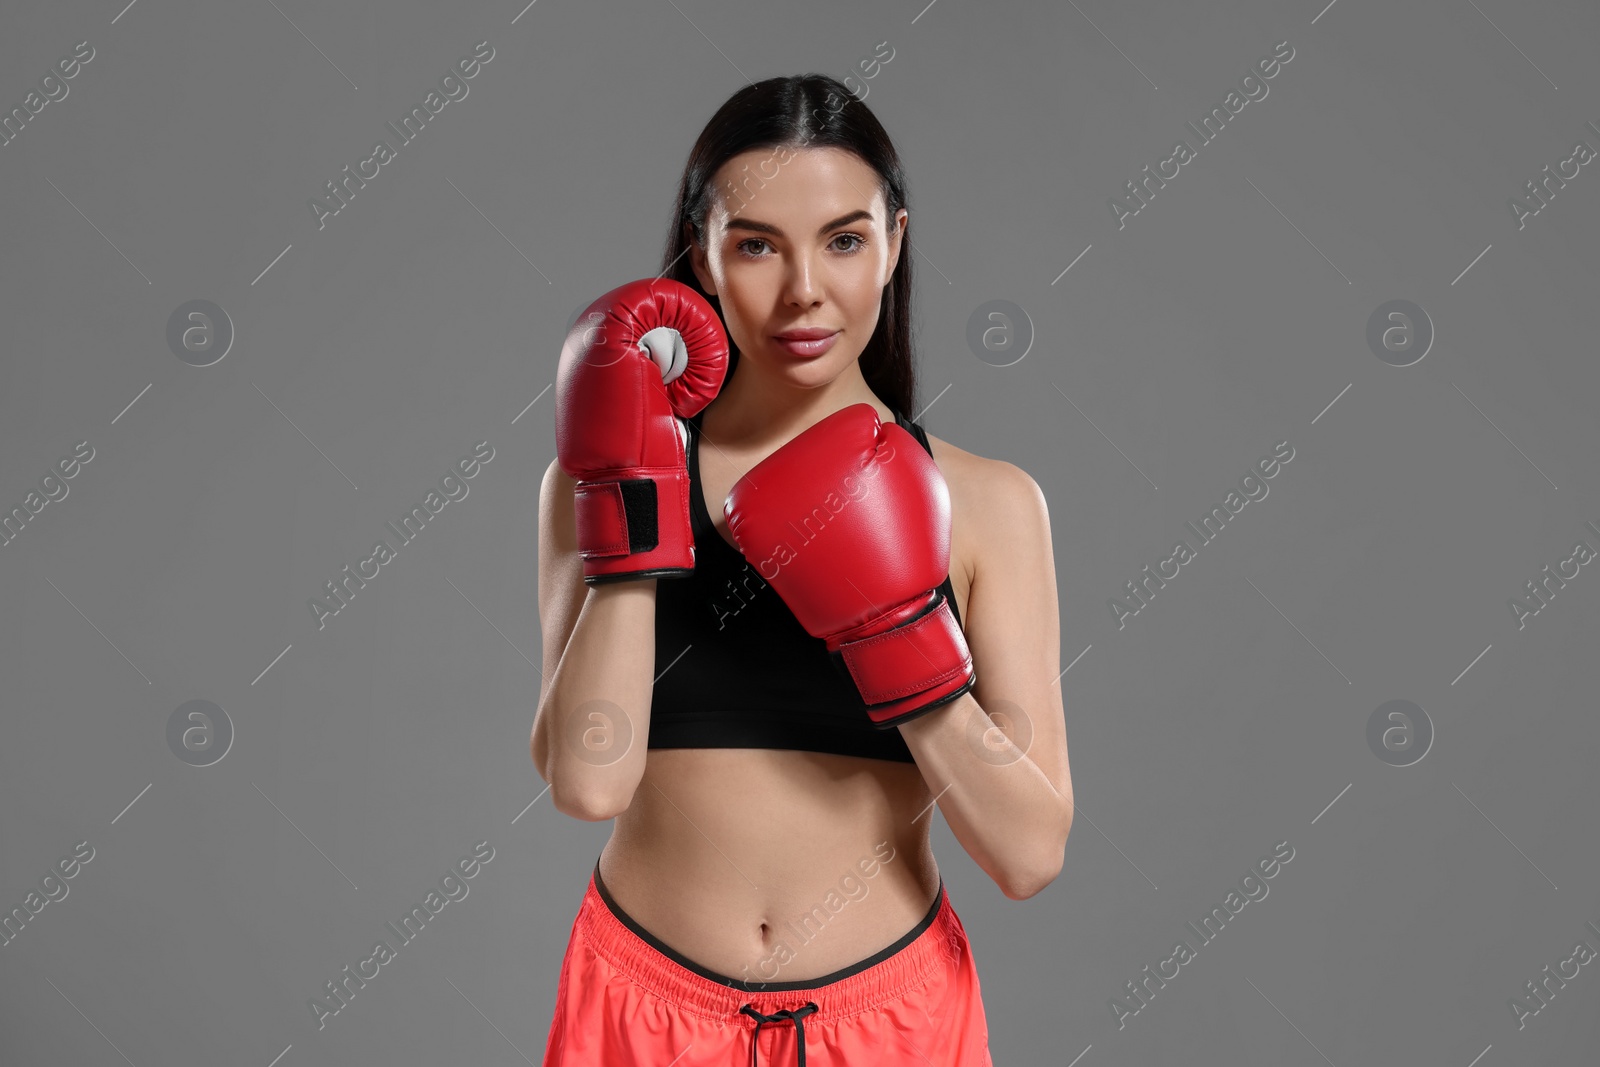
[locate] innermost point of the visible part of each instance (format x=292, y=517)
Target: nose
x=801, y=285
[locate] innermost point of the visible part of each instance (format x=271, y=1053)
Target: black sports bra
x=735, y=669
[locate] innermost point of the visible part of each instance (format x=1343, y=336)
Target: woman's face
x=798, y=239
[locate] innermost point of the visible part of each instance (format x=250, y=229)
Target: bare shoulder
x=980, y=486
x=990, y=498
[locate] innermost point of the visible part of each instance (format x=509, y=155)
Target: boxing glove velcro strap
x=919, y=655
x=616, y=518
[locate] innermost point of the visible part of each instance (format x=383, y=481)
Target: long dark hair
x=807, y=110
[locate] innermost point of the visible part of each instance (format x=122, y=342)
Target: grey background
x=1227, y=316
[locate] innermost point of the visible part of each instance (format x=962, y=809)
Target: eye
x=857, y=243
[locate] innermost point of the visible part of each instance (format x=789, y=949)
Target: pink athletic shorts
x=625, y=998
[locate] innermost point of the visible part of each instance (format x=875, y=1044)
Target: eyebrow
x=767, y=227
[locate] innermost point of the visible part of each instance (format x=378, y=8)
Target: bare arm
x=593, y=721
x=1010, y=807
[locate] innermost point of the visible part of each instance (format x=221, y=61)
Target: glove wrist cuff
x=634, y=524
x=911, y=669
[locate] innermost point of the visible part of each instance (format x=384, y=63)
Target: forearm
x=999, y=804
x=595, y=715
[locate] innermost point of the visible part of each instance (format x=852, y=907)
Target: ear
x=896, y=243
x=697, y=262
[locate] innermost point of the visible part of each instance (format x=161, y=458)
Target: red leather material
x=906, y=668
x=602, y=524
x=616, y=424
x=850, y=524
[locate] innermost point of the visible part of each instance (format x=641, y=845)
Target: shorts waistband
x=863, y=986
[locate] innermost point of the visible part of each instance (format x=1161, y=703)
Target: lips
x=807, y=343
x=809, y=333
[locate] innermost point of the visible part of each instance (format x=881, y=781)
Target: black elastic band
x=765, y=987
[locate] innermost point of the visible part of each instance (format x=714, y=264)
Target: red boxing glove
x=636, y=359
x=850, y=524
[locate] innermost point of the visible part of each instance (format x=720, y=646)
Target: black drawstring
x=796, y=1014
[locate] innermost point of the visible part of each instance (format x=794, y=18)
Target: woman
x=768, y=885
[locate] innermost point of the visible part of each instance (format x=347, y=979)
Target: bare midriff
x=754, y=863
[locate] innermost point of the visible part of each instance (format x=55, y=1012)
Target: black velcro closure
x=639, y=505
